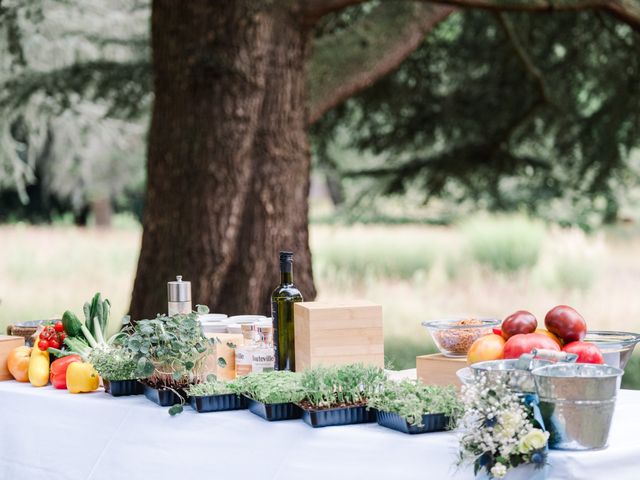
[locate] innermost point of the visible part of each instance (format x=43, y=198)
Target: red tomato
x=43, y=345
x=566, y=323
x=525, y=342
x=61, y=337
x=58, y=327
x=519, y=322
x=587, y=352
x=497, y=331
x=54, y=343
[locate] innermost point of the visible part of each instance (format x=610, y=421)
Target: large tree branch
x=315, y=9
x=346, y=62
x=626, y=10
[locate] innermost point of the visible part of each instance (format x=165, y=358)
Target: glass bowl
x=616, y=347
x=454, y=336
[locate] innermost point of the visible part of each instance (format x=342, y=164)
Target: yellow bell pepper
x=38, y=366
x=82, y=377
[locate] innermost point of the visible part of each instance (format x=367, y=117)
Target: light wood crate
x=436, y=369
x=7, y=343
x=338, y=334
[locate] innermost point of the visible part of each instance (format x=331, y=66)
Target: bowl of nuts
x=454, y=336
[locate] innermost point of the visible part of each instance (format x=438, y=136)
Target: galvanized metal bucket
x=577, y=403
x=516, y=373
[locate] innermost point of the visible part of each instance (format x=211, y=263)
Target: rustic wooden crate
x=7, y=343
x=338, y=334
x=436, y=369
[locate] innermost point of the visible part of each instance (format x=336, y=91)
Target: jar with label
x=263, y=359
x=244, y=360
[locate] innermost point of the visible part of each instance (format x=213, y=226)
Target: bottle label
x=276, y=341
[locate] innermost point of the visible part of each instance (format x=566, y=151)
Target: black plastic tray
x=434, y=422
x=121, y=388
x=274, y=412
x=164, y=398
x=218, y=403
x=338, y=416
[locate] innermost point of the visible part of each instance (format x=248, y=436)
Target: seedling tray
x=122, y=388
x=164, y=398
x=274, y=412
x=338, y=416
x=434, y=422
x=218, y=403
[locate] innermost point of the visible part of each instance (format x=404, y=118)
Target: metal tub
x=577, y=403
x=509, y=372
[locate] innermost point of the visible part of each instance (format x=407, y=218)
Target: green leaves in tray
x=270, y=387
x=411, y=399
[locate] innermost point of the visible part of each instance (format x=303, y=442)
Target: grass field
x=488, y=267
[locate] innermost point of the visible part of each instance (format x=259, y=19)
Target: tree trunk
x=228, y=159
x=102, y=212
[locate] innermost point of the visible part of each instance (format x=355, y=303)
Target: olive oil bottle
x=282, y=300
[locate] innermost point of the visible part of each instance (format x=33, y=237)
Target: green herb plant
x=330, y=387
x=411, y=400
x=209, y=388
x=169, y=352
x=270, y=387
x=113, y=363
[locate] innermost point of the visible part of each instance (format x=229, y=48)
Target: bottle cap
x=179, y=291
x=286, y=256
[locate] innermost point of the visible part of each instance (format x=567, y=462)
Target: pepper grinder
x=179, y=294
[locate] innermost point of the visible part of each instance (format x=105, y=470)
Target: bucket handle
x=553, y=355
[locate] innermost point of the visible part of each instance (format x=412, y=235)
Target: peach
x=487, y=347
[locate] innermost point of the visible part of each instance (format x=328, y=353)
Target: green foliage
x=411, y=400
x=378, y=256
x=631, y=377
x=114, y=363
x=507, y=244
x=328, y=387
x=169, y=351
x=270, y=387
x=214, y=387
x=500, y=111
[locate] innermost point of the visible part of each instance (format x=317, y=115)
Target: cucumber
x=71, y=324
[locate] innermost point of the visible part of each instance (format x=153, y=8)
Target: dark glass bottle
x=282, y=300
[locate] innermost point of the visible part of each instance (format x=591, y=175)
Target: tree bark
x=228, y=161
x=102, y=211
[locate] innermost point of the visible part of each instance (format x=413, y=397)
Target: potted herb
x=271, y=395
x=411, y=407
x=214, y=396
x=339, y=395
x=117, y=368
x=170, y=355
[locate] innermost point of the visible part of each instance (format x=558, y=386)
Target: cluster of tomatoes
x=52, y=336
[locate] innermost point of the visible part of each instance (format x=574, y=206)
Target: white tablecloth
x=52, y=434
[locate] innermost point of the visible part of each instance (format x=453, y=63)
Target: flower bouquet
x=499, y=430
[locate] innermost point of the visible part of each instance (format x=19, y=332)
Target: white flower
x=534, y=440
x=499, y=470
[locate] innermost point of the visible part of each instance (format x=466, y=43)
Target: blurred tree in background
x=71, y=136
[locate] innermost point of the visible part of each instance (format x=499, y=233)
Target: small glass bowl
x=616, y=347
x=454, y=338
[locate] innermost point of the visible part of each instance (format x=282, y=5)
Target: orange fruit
x=550, y=335
x=18, y=363
x=487, y=347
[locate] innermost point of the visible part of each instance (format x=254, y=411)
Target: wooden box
x=338, y=334
x=436, y=369
x=7, y=343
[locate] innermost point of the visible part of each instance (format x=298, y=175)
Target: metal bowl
x=616, y=347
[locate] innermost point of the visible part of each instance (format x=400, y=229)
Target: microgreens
x=411, y=400
x=270, y=387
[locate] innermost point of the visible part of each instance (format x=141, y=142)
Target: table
x=52, y=434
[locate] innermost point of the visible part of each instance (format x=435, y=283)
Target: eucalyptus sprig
x=411, y=400
x=169, y=351
x=270, y=387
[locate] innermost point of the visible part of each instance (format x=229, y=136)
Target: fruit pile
x=519, y=334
